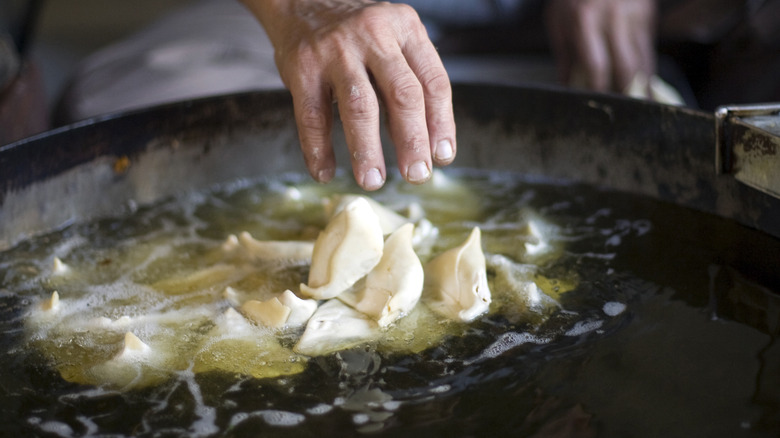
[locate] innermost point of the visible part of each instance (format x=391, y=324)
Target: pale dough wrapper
x=349, y=247
x=336, y=326
x=268, y=249
x=286, y=310
x=388, y=219
x=456, y=281
x=394, y=286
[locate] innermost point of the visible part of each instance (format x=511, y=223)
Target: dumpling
x=336, y=326
x=349, y=247
x=394, y=286
x=388, y=219
x=456, y=281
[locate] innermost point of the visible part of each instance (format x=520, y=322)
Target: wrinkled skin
x=602, y=44
x=359, y=53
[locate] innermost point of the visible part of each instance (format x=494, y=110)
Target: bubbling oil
x=630, y=316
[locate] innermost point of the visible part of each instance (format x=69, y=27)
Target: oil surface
x=670, y=331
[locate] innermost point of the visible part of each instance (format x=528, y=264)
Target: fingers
x=329, y=51
x=630, y=37
x=404, y=101
x=591, y=51
x=437, y=92
x=416, y=92
x=313, y=116
x=359, y=110
x=602, y=44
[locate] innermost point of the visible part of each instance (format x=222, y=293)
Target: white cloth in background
x=214, y=47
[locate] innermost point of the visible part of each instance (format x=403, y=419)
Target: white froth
x=614, y=240
x=613, y=308
x=360, y=419
x=271, y=417
x=582, y=327
x=508, y=341
x=440, y=389
x=52, y=427
x=391, y=405
x=642, y=226
x=320, y=409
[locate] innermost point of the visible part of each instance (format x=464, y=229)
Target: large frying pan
x=95, y=167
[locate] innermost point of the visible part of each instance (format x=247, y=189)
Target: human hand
x=357, y=53
x=602, y=44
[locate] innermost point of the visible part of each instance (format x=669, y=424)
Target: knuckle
x=405, y=93
x=312, y=117
x=437, y=84
x=360, y=105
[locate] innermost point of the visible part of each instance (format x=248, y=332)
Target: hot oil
x=666, y=323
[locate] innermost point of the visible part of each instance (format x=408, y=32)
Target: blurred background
x=69, y=30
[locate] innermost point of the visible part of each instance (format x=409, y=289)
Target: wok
x=105, y=166
x=669, y=153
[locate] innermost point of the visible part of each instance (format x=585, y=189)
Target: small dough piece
x=270, y=313
x=286, y=310
x=336, y=326
x=275, y=249
x=134, y=348
x=52, y=304
x=456, y=281
x=300, y=310
x=394, y=286
x=540, y=245
x=59, y=267
x=349, y=247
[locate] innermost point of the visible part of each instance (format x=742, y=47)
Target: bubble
x=582, y=327
x=613, y=308
x=282, y=418
x=441, y=389
x=320, y=409
x=360, y=419
x=508, y=341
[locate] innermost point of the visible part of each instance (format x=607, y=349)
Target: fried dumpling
x=388, y=219
x=336, y=326
x=394, y=286
x=456, y=281
x=349, y=247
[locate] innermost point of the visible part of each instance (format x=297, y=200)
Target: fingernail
x=325, y=175
x=418, y=172
x=373, y=180
x=443, y=151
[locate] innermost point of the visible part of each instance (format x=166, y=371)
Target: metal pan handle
x=747, y=145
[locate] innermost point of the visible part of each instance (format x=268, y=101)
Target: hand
x=358, y=53
x=602, y=44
